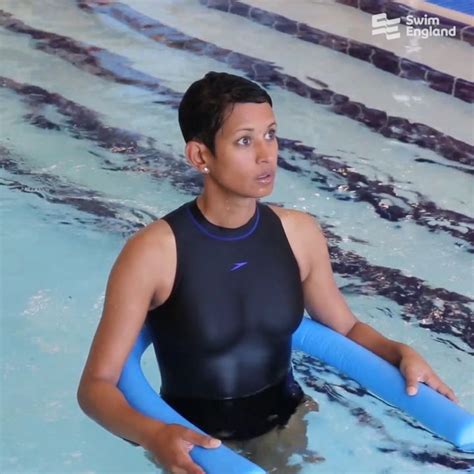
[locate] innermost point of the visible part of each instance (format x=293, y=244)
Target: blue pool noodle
x=433, y=410
x=436, y=412
x=141, y=396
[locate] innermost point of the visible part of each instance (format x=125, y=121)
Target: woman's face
x=246, y=151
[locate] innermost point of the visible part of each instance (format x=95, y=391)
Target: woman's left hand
x=415, y=369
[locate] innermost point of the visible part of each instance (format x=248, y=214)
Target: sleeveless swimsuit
x=223, y=337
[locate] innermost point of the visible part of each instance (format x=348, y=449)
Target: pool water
x=91, y=151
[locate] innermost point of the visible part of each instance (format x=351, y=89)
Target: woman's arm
x=325, y=303
x=141, y=279
x=133, y=283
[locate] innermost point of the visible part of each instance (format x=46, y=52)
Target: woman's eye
x=271, y=134
x=244, y=141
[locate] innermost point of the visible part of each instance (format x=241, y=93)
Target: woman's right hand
x=170, y=445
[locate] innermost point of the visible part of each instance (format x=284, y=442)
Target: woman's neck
x=226, y=211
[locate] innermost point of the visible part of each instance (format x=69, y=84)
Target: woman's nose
x=266, y=153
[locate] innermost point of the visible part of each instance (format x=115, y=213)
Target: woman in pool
x=223, y=282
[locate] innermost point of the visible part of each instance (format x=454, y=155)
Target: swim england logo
x=382, y=25
x=417, y=26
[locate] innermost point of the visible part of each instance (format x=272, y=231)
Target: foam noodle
x=437, y=413
x=433, y=410
x=143, y=398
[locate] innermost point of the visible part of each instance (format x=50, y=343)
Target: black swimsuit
x=223, y=337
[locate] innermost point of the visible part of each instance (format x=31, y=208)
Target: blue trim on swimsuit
x=193, y=206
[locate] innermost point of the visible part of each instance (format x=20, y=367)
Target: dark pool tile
x=288, y=166
x=321, y=96
x=455, y=150
x=443, y=21
x=398, y=10
x=349, y=109
x=336, y=43
x=443, y=459
x=424, y=134
x=372, y=6
x=359, y=50
x=464, y=90
x=239, y=61
x=295, y=85
x=396, y=127
x=284, y=26
x=217, y=53
x=41, y=121
x=338, y=99
x=238, y=8
x=218, y=4
x=265, y=74
x=467, y=34
x=386, y=60
x=263, y=17
x=411, y=70
x=440, y=81
x=350, y=3
x=374, y=118
x=313, y=35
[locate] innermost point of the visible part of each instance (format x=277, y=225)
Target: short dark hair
x=202, y=108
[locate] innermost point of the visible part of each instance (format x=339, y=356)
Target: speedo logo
x=238, y=265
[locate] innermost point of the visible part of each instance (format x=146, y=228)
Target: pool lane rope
x=433, y=410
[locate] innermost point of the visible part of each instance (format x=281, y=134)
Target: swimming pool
x=91, y=151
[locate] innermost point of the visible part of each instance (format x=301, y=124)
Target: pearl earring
x=205, y=170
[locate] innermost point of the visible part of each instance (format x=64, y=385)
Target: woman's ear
x=198, y=156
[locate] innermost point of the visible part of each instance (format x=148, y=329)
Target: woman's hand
x=171, y=444
x=415, y=369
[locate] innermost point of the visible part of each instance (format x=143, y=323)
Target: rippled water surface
x=91, y=151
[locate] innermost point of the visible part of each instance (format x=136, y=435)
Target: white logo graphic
x=381, y=25
x=423, y=26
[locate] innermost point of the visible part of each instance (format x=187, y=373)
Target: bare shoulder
x=296, y=221
x=154, y=239
x=139, y=280
x=148, y=259
x=304, y=235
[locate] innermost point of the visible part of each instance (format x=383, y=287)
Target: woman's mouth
x=265, y=178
